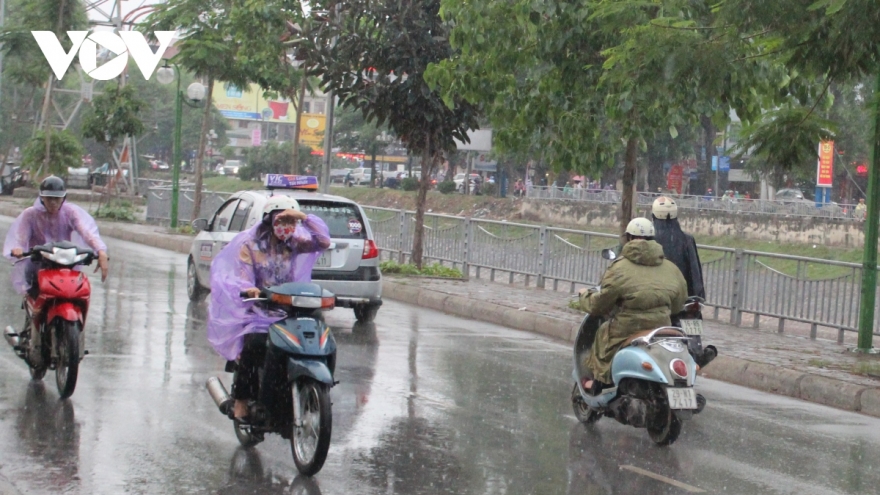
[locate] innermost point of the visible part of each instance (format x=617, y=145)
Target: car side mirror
x=200, y=224
x=609, y=254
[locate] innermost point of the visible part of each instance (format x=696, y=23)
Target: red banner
x=674, y=178
x=825, y=170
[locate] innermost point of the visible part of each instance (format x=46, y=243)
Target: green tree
x=115, y=114
x=65, y=151
x=207, y=50
x=373, y=55
x=352, y=132
x=590, y=84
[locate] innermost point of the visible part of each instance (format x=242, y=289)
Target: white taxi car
x=349, y=268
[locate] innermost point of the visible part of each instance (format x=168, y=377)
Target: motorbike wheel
x=664, y=427
x=246, y=437
x=194, y=289
x=67, y=367
x=582, y=411
x=310, y=440
x=37, y=373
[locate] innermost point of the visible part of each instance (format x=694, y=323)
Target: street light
x=194, y=94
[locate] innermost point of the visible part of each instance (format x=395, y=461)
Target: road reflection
x=49, y=433
x=247, y=476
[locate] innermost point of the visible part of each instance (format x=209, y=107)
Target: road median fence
x=811, y=291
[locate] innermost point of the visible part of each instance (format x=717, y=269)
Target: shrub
x=120, y=211
x=488, y=189
x=446, y=187
x=409, y=184
x=435, y=270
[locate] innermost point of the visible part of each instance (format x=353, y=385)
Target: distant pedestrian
x=861, y=210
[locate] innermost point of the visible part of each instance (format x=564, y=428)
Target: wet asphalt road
x=427, y=404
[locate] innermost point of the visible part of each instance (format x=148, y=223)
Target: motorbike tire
x=664, y=426
x=310, y=442
x=67, y=367
x=194, y=289
x=582, y=411
x=245, y=437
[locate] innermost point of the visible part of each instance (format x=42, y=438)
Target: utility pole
x=869, y=261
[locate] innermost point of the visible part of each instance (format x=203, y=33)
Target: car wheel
x=194, y=289
x=365, y=313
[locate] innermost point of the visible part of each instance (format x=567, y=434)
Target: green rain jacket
x=639, y=292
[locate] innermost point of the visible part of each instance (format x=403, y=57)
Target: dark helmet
x=52, y=187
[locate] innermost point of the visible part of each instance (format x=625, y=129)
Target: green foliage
x=120, y=211
x=784, y=141
x=406, y=269
x=373, y=56
x=65, y=151
x=446, y=187
x=409, y=184
x=114, y=115
x=18, y=44
x=489, y=189
x=271, y=158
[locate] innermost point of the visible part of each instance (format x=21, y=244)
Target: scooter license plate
x=692, y=327
x=682, y=398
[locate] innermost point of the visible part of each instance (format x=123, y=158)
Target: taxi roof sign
x=285, y=181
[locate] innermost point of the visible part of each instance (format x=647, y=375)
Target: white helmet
x=664, y=208
x=640, y=227
x=280, y=202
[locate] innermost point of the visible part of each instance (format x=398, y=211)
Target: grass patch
x=576, y=305
x=223, y=183
x=818, y=363
x=406, y=269
x=869, y=369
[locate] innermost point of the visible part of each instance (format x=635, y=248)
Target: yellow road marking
x=679, y=484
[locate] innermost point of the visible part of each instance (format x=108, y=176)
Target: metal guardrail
x=159, y=203
x=786, y=207
x=740, y=281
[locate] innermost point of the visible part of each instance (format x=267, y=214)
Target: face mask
x=283, y=231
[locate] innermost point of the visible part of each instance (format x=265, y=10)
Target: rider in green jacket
x=639, y=291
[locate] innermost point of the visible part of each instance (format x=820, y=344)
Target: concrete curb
x=759, y=376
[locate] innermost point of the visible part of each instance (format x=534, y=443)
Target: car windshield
x=343, y=219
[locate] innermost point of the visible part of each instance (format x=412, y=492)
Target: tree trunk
x=424, y=184
x=294, y=166
x=627, y=203
x=206, y=123
x=47, y=127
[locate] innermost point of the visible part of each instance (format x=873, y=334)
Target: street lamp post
x=195, y=92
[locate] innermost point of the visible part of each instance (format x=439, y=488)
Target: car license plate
x=681, y=398
x=692, y=327
x=323, y=260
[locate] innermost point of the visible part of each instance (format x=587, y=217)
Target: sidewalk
x=819, y=371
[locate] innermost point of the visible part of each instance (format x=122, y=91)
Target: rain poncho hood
x=36, y=226
x=681, y=249
x=251, y=260
x=639, y=291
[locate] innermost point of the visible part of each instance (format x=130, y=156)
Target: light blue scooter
x=653, y=382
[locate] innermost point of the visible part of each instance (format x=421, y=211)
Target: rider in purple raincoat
x=51, y=219
x=282, y=248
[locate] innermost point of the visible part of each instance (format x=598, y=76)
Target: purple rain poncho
x=248, y=261
x=36, y=226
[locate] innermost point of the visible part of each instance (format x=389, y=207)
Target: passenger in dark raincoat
x=678, y=247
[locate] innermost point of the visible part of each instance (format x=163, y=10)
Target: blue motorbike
x=295, y=377
x=653, y=382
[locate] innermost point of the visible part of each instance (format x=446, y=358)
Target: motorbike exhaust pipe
x=220, y=395
x=11, y=337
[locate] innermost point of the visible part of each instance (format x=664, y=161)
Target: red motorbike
x=55, y=313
